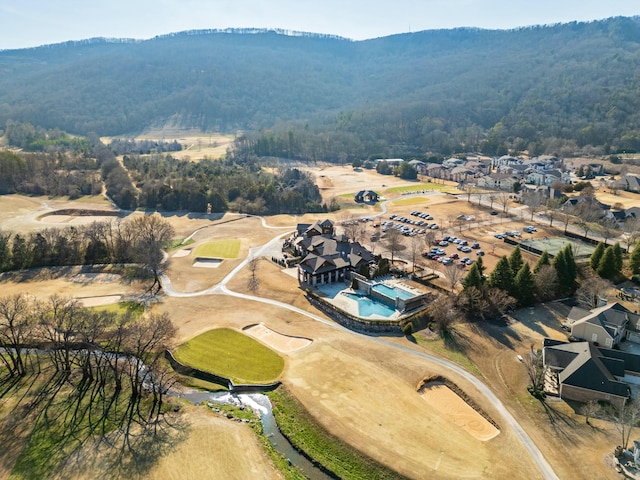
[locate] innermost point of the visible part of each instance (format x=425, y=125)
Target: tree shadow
x=456, y=341
x=563, y=425
x=502, y=333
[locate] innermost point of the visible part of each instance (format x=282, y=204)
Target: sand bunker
x=98, y=301
x=207, y=262
x=455, y=409
x=96, y=278
x=183, y=252
x=277, y=341
x=78, y=216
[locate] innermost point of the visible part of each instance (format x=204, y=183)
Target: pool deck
x=333, y=293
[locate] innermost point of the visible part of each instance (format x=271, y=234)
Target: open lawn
x=409, y=201
x=218, y=249
x=231, y=354
x=423, y=187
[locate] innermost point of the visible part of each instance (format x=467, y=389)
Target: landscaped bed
x=231, y=354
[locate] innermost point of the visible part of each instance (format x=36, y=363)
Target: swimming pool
x=368, y=306
x=392, y=292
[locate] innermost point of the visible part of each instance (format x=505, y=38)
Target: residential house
x=461, y=173
x=632, y=212
x=437, y=170
x=606, y=325
x=629, y=182
x=497, y=181
x=366, y=196
x=583, y=372
x=419, y=166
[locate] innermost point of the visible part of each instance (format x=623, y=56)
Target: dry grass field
x=195, y=145
x=359, y=389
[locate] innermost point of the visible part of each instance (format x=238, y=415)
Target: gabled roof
x=585, y=366
x=588, y=371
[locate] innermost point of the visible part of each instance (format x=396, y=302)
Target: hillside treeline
x=55, y=174
x=557, y=89
x=97, y=243
x=158, y=181
x=171, y=184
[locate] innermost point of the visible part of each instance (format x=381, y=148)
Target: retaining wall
x=217, y=379
x=354, y=323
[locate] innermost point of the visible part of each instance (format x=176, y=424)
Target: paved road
x=221, y=288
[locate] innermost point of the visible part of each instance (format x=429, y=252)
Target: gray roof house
x=327, y=257
x=581, y=371
x=605, y=326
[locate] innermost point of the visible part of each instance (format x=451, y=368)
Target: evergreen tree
x=634, y=259
x=20, y=253
x=5, y=252
x=473, y=278
x=572, y=268
x=515, y=259
x=607, y=267
x=502, y=276
x=594, y=260
x=481, y=267
x=542, y=261
x=617, y=253
x=560, y=264
x=524, y=285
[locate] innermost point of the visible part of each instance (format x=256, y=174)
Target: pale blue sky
x=27, y=23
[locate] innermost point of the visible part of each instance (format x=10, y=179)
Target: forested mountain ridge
x=545, y=88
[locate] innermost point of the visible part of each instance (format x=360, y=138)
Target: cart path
x=221, y=289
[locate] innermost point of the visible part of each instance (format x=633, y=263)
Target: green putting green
x=231, y=354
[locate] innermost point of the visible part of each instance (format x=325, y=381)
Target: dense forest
x=157, y=180
x=564, y=89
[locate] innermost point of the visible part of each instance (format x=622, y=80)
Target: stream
x=260, y=403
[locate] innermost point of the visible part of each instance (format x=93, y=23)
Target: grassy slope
x=231, y=354
x=329, y=451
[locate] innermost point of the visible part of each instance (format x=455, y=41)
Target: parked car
x=493, y=212
x=499, y=236
x=444, y=243
x=454, y=255
x=434, y=227
x=465, y=249
x=446, y=260
x=475, y=245
x=480, y=253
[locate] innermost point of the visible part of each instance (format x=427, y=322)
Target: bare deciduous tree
x=590, y=409
x=631, y=231
x=546, y=283
x=454, y=274
x=16, y=322
x=534, y=200
x=607, y=227
x=394, y=243
x=625, y=419
x=532, y=361
x=443, y=313
x=503, y=200
x=152, y=235
x=254, y=282
x=591, y=290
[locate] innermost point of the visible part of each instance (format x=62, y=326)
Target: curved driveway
x=221, y=288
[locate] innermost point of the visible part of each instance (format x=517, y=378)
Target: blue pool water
x=392, y=292
x=368, y=307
